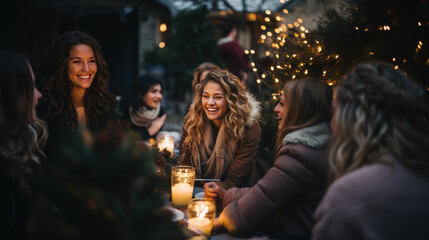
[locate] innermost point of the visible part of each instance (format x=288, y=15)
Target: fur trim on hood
x=256, y=109
x=315, y=136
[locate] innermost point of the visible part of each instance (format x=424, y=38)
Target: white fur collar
x=256, y=109
x=316, y=136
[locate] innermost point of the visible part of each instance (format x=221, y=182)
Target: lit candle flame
x=201, y=211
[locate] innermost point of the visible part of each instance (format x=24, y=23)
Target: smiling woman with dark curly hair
x=73, y=80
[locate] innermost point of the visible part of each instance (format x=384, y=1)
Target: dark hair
x=379, y=111
x=140, y=87
x=307, y=102
x=226, y=28
x=18, y=138
x=56, y=86
x=15, y=83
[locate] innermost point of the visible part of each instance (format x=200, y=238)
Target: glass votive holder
x=165, y=142
x=200, y=214
x=182, y=184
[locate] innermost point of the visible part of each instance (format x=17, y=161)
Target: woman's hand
x=212, y=190
x=156, y=125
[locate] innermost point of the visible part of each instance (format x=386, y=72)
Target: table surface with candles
x=198, y=213
x=195, y=235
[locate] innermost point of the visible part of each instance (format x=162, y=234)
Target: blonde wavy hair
x=379, y=112
x=235, y=119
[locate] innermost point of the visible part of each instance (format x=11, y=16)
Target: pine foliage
x=101, y=187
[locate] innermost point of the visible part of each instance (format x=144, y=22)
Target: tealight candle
x=182, y=184
x=201, y=213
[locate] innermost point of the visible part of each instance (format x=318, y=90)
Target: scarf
x=144, y=117
x=212, y=157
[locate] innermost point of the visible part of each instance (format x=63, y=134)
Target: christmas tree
x=393, y=31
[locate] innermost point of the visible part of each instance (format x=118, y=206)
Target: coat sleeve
x=281, y=183
x=243, y=160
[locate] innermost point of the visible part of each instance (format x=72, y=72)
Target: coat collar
x=256, y=109
x=316, y=136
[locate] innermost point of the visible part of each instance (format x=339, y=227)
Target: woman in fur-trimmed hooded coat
x=222, y=131
x=284, y=200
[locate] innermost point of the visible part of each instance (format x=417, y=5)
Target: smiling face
x=214, y=102
x=280, y=109
x=82, y=66
x=153, y=97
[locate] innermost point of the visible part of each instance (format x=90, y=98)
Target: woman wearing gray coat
x=284, y=200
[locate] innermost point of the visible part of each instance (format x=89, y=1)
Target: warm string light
x=275, y=38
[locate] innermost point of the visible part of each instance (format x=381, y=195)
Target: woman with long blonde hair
x=379, y=159
x=22, y=136
x=222, y=131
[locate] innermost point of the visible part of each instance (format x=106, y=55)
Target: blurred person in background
x=231, y=52
x=379, y=162
x=22, y=136
x=142, y=109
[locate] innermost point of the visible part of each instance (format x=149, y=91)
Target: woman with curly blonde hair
x=222, y=131
x=378, y=159
x=21, y=137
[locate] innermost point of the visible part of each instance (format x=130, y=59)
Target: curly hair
x=56, y=85
x=379, y=112
x=238, y=113
x=307, y=102
x=198, y=71
x=20, y=141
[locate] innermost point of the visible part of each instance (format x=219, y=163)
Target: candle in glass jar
x=181, y=193
x=166, y=142
x=204, y=224
x=201, y=213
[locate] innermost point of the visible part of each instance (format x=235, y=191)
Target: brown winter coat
x=242, y=171
x=286, y=197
